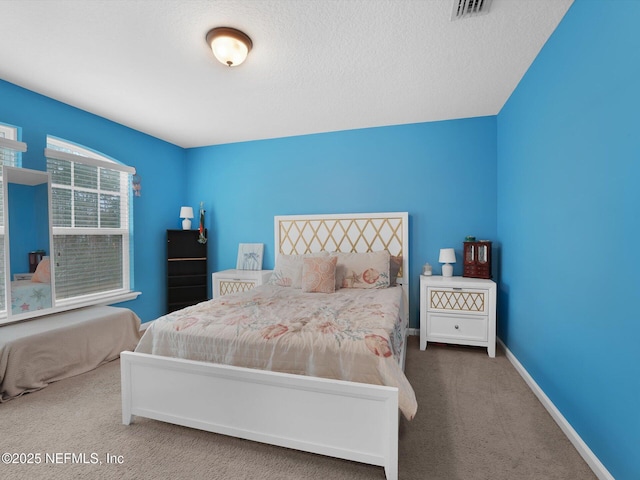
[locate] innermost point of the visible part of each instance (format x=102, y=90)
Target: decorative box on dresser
x=458, y=310
x=234, y=281
x=186, y=269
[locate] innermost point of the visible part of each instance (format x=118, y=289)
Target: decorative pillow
x=363, y=270
x=395, y=264
x=43, y=272
x=288, y=269
x=319, y=274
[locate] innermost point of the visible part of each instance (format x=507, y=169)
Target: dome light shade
x=230, y=46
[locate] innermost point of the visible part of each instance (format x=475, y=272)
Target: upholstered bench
x=49, y=348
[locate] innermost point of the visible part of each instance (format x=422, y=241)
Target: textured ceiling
x=316, y=66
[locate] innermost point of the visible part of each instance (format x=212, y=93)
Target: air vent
x=469, y=8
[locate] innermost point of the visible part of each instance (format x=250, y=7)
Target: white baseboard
x=585, y=452
x=413, y=331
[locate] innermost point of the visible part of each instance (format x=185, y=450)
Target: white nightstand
x=234, y=281
x=458, y=310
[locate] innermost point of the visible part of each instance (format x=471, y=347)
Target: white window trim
x=7, y=131
x=9, y=141
x=88, y=157
x=13, y=144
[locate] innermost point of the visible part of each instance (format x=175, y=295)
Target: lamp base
x=447, y=270
x=186, y=224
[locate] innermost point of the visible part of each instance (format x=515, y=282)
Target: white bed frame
x=353, y=421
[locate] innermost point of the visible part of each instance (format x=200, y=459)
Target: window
x=11, y=155
x=10, y=148
x=91, y=212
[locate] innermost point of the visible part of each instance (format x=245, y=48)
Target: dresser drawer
x=468, y=327
x=457, y=300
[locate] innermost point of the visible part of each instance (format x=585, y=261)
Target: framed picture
x=250, y=256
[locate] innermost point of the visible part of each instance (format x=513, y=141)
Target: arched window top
x=60, y=149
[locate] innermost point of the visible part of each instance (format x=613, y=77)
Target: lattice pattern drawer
x=457, y=300
x=235, y=286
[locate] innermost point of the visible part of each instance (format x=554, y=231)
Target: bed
x=313, y=410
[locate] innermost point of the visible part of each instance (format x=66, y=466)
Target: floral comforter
x=352, y=334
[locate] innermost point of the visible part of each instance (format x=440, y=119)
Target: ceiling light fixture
x=230, y=46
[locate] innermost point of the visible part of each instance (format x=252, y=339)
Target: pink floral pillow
x=319, y=274
x=363, y=270
x=43, y=272
x=288, y=269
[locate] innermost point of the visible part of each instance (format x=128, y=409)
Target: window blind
x=91, y=225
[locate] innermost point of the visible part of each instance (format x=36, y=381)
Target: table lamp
x=186, y=213
x=447, y=256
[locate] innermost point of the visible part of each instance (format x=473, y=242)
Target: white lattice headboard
x=350, y=232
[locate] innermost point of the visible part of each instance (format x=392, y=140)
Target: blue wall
x=568, y=216
x=160, y=164
x=28, y=227
x=442, y=173
x=553, y=180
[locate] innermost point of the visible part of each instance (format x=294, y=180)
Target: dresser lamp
x=447, y=256
x=186, y=213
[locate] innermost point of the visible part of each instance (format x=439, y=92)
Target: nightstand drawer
x=469, y=327
x=457, y=300
x=227, y=282
x=227, y=286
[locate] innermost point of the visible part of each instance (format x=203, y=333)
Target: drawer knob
x=457, y=327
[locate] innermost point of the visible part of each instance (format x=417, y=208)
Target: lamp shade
x=447, y=255
x=186, y=212
x=230, y=46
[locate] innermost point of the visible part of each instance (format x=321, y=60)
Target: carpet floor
x=476, y=419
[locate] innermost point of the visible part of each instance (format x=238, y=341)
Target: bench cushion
x=50, y=348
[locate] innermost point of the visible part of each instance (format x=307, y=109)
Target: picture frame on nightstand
x=250, y=256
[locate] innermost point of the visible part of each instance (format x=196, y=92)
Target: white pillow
x=288, y=269
x=363, y=270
